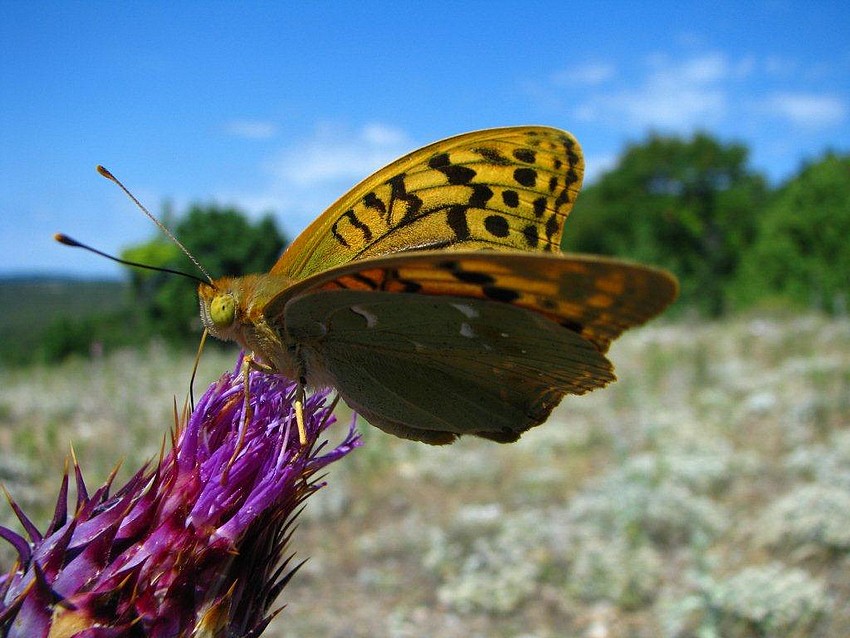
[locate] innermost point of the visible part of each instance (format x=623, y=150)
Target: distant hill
x=31, y=303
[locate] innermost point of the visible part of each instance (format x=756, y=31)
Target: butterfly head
x=218, y=311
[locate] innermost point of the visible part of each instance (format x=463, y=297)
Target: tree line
x=692, y=205
x=696, y=207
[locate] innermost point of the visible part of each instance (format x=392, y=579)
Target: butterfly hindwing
x=596, y=297
x=430, y=368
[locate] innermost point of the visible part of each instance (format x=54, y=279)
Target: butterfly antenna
x=73, y=243
x=103, y=171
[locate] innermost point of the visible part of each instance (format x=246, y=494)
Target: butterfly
x=434, y=297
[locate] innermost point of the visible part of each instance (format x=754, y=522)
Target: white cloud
x=780, y=66
x=672, y=94
x=808, y=110
x=304, y=178
x=703, y=69
x=668, y=105
x=591, y=73
x=383, y=135
x=782, y=106
x=251, y=129
x=332, y=154
x=663, y=91
x=707, y=90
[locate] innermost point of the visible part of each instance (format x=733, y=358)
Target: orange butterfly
x=434, y=297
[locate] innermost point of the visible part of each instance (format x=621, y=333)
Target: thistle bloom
x=178, y=551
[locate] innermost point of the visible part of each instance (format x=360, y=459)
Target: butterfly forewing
x=431, y=368
x=509, y=188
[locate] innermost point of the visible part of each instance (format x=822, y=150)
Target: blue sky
x=283, y=106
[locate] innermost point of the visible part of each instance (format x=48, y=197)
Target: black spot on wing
x=455, y=173
x=571, y=177
x=499, y=293
x=408, y=285
x=562, y=199
x=552, y=227
x=373, y=201
x=510, y=198
x=481, y=194
x=497, y=225
x=456, y=219
x=547, y=303
x=539, y=205
x=466, y=276
x=572, y=156
x=532, y=238
x=493, y=156
x=575, y=326
x=398, y=193
x=525, y=155
x=526, y=177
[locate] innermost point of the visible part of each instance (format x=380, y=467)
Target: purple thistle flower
x=177, y=551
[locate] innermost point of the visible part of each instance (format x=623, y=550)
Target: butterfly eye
x=222, y=310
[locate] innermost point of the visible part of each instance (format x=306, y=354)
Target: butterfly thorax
x=243, y=300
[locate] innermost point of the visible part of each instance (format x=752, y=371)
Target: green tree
x=687, y=205
x=223, y=241
x=801, y=253
x=88, y=335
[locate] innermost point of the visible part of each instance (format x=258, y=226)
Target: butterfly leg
x=246, y=415
x=299, y=411
x=300, y=394
x=248, y=364
x=251, y=363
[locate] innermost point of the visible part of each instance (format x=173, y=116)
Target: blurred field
x=39, y=302
x=707, y=493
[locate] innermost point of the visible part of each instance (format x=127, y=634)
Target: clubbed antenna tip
x=105, y=172
x=62, y=238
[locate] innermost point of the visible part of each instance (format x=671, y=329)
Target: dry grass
x=706, y=493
